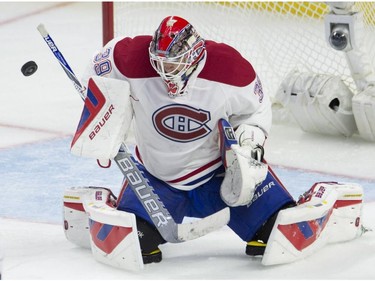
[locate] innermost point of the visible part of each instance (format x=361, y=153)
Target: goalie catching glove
x=242, y=154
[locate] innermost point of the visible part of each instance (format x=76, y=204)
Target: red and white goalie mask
x=175, y=51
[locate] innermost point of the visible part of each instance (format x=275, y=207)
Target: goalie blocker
x=105, y=119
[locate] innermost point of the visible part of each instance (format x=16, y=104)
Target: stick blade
x=42, y=30
x=196, y=229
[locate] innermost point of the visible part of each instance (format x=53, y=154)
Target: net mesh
x=276, y=37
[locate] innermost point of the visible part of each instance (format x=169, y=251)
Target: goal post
x=107, y=20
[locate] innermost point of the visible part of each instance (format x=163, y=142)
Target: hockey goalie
x=201, y=120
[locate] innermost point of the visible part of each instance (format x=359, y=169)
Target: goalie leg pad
x=114, y=238
x=114, y=235
x=327, y=213
x=111, y=234
x=345, y=222
x=76, y=220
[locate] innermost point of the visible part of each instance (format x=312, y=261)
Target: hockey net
x=276, y=37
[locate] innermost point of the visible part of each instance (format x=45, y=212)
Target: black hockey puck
x=29, y=68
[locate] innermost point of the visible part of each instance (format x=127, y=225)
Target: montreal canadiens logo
x=181, y=123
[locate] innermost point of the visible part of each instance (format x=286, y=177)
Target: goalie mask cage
x=276, y=37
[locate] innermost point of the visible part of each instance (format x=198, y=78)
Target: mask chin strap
x=173, y=88
x=176, y=89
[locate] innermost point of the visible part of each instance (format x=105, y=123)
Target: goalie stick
x=168, y=228
x=64, y=64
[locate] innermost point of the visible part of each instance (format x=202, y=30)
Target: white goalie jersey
x=171, y=132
